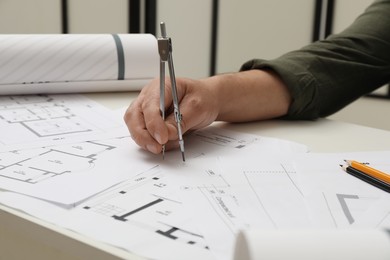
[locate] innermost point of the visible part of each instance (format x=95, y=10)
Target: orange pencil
x=369, y=170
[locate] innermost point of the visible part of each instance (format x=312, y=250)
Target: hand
x=234, y=97
x=198, y=106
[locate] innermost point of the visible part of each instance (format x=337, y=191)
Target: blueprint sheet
x=69, y=173
x=148, y=214
x=31, y=121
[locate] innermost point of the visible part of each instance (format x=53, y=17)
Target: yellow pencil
x=369, y=170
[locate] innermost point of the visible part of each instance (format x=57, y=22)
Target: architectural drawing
x=32, y=121
x=145, y=202
x=37, y=165
x=41, y=115
x=339, y=210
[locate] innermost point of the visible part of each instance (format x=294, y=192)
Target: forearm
x=249, y=96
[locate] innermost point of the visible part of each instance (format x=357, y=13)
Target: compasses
x=165, y=51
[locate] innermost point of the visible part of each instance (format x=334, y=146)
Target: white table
x=25, y=237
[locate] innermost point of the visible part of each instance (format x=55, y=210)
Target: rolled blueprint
x=348, y=244
x=74, y=63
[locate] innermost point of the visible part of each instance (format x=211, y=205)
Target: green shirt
x=327, y=75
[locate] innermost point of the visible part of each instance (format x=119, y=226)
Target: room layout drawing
x=41, y=115
x=36, y=165
x=145, y=202
x=31, y=121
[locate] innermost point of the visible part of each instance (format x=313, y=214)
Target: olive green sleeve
x=327, y=75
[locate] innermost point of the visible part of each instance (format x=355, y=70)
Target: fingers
x=197, y=107
x=154, y=123
x=144, y=121
x=150, y=131
x=138, y=132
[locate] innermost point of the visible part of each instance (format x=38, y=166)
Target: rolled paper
x=356, y=244
x=74, y=63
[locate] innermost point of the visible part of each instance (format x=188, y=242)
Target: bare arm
x=250, y=95
x=236, y=97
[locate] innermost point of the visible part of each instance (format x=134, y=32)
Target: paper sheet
x=268, y=191
x=147, y=214
x=143, y=240
x=377, y=216
x=259, y=191
x=219, y=204
x=32, y=121
x=335, y=198
x=132, y=215
x=272, y=182
x=75, y=63
x=67, y=174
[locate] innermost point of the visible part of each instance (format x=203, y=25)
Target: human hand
x=234, y=97
x=198, y=106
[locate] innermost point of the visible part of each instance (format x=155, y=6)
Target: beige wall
x=365, y=111
x=24, y=16
x=188, y=23
x=346, y=12
x=247, y=29
x=261, y=29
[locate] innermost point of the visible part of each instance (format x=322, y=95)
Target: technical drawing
x=128, y=214
x=343, y=209
x=343, y=203
x=34, y=166
x=41, y=114
x=385, y=221
x=33, y=121
x=278, y=194
x=144, y=203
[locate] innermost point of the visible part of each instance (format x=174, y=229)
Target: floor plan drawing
x=145, y=203
x=40, y=164
x=37, y=120
x=40, y=115
x=84, y=168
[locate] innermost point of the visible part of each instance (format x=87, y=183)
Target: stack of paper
x=67, y=156
x=167, y=209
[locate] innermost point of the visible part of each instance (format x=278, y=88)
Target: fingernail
x=152, y=148
x=157, y=136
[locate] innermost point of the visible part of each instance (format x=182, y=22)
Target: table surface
x=23, y=236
